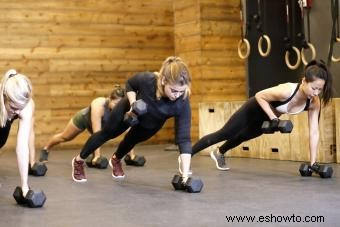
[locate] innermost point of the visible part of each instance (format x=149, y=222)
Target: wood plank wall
x=75, y=50
x=206, y=37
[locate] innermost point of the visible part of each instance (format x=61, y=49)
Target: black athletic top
x=158, y=111
x=4, y=132
x=105, y=117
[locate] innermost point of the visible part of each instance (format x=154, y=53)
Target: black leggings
x=4, y=132
x=243, y=125
x=116, y=126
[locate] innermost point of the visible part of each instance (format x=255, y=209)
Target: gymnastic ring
x=240, y=54
x=298, y=61
x=269, y=45
x=303, y=58
x=334, y=59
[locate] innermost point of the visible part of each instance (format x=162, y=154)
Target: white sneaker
x=219, y=160
x=179, y=166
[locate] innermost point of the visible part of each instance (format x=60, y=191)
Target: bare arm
x=22, y=147
x=313, y=121
x=31, y=142
x=131, y=95
x=277, y=93
x=97, y=113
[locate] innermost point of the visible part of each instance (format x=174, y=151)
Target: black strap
x=301, y=34
x=279, y=103
x=242, y=21
x=260, y=15
x=287, y=38
x=335, y=20
x=308, y=23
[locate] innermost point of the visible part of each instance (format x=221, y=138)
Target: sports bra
x=282, y=107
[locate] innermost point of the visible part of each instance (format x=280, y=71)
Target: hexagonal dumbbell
x=193, y=185
x=283, y=126
x=138, y=108
x=305, y=170
x=137, y=161
x=38, y=169
x=32, y=199
x=100, y=163
x=324, y=171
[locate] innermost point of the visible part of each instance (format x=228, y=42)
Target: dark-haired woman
x=314, y=90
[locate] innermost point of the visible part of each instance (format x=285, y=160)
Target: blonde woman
x=167, y=95
x=91, y=118
x=16, y=103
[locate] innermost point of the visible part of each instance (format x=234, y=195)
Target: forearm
x=313, y=146
x=131, y=95
x=22, y=152
x=31, y=144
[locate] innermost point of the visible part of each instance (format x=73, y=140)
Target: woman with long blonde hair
x=166, y=94
x=16, y=103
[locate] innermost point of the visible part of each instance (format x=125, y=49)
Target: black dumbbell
x=324, y=171
x=138, y=108
x=193, y=185
x=32, y=199
x=284, y=126
x=137, y=161
x=38, y=169
x=101, y=162
x=305, y=170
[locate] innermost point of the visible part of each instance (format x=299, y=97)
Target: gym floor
x=270, y=191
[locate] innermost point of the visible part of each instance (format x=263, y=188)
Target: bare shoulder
x=98, y=102
x=279, y=92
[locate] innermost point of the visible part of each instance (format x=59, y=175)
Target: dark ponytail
x=318, y=70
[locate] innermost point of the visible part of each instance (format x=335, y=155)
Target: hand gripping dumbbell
x=324, y=171
x=100, y=163
x=32, y=199
x=38, y=169
x=284, y=126
x=138, y=108
x=193, y=185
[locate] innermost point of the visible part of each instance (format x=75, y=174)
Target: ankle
x=79, y=159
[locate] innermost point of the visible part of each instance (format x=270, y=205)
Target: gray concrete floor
x=253, y=187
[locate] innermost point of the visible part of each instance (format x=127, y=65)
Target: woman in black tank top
x=245, y=123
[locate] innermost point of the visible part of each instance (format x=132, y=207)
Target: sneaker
x=78, y=173
x=117, y=170
x=180, y=166
x=43, y=155
x=219, y=160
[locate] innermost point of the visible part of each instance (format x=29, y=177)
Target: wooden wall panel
x=206, y=37
x=337, y=128
x=74, y=51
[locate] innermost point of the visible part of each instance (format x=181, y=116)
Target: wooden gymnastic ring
x=240, y=54
x=296, y=50
x=269, y=45
x=334, y=59
x=303, y=58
